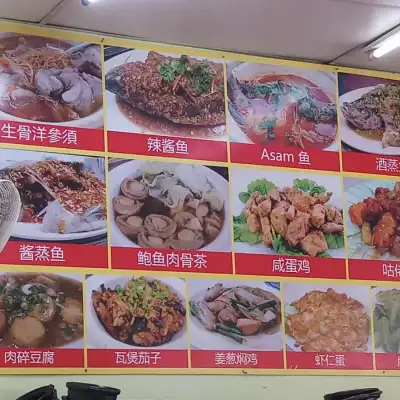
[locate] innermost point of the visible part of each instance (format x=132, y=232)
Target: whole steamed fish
x=377, y=110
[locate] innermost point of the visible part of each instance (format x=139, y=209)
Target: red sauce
x=285, y=125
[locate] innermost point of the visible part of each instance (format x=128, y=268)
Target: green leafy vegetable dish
x=296, y=220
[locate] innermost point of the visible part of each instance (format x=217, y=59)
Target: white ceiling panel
x=318, y=30
x=26, y=10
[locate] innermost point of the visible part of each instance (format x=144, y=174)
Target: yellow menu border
x=71, y=35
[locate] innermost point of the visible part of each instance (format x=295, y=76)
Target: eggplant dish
x=143, y=312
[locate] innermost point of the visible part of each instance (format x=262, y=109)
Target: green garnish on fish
x=198, y=73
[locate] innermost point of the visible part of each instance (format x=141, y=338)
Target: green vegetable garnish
x=263, y=186
x=308, y=186
x=199, y=73
x=335, y=240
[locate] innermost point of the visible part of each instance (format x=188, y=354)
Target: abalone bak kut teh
x=169, y=206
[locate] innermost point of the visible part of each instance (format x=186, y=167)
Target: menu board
x=168, y=209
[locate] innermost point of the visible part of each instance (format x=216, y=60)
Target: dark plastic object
x=87, y=391
x=356, y=394
x=42, y=393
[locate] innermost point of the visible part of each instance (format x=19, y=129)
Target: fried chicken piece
x=356, y=212
x=251, y=207
x=314, y=243
x=298, y=228
x=318, y=215
x=253, y=223
x=331, y=227
x=274, y=194
x=266, y=230
x=264, y=206
x=333, y=214
x=290, y=213
x=384, y=232
x=300, y=201
x=278, y=220
x=265, y=224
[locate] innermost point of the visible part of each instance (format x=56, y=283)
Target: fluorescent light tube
x=387, y=46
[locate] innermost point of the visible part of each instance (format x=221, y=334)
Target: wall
x=186, y=387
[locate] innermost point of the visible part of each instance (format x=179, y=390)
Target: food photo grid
x=163, y=322
x=243, y=218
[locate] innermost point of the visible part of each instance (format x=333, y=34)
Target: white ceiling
x=319, y=30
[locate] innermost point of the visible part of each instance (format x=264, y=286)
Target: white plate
x=131, y=169
x=116, y=120
x=34, y=231
x=294, y=291
x=356, y=193
x=350, y=137
x=203, y=339
x=98, y=338
x=325, y=80
x=241, y=177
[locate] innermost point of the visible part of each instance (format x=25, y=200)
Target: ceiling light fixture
x=87, y=2
x=384, y=45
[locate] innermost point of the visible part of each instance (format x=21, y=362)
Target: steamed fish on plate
x=376, y=114
x=143, y=312
x=236, y=312
x=62, y=196
x=282, y=109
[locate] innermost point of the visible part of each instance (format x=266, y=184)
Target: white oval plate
x=131, y=168
x=350, y=137
x=97, y=336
